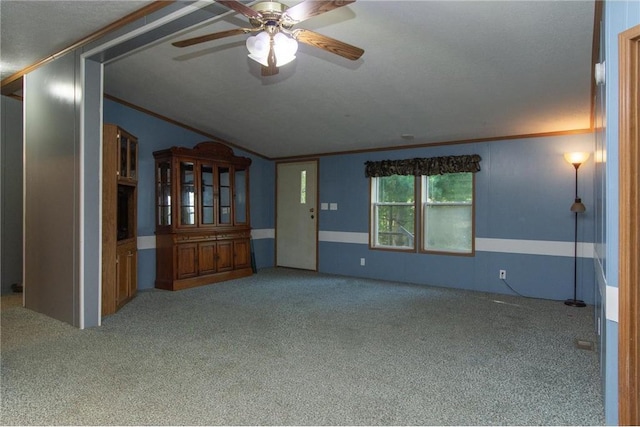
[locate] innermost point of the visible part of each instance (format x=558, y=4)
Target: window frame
x=423, y=223
x=419, y=220
x=373, y=222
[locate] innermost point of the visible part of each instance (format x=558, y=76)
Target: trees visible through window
x=393, y=211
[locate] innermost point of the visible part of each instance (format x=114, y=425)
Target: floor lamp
x=576, y=159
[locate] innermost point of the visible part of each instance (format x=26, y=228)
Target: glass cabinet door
x=224, y=196
x=133, y=159
x=240, y=187
x=206, y=188
x=187, y=194
x=163, y=192
x=124, y=156
x=127, y=157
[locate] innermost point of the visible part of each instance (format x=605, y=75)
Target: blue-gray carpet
x=297, y=348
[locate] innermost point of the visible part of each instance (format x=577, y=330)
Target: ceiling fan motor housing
x=272, y=15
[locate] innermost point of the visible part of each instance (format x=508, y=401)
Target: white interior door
x=297, y=215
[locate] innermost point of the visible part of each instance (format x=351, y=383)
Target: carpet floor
x=288, y=347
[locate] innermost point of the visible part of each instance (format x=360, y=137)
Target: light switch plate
x=333, y=206
x=324, y=206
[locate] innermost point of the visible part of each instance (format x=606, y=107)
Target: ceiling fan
x=277, y=41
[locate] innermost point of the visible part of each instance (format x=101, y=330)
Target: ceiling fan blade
x=327, y=43
x=310, y=8
x=213, y=36
x=241, y=8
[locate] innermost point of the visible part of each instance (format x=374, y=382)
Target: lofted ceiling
x=432, y=71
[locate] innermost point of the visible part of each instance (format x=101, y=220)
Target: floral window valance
x=423, y=166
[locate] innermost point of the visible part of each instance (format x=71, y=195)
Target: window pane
x=224, y=197
x=207, y=215
x=240, y=183
x=395, y=225
x=451, y=187
x=393, y=204
x=448, y=228
x=187, y=196
x=163, y=192
x=396, y=188
x=132, y=159
x=448, y=212
x=124, y=144
x=206, y=184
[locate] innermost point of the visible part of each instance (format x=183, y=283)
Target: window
x=303, y=187
x=393, y=212
x=447, y=213
x=439, y=189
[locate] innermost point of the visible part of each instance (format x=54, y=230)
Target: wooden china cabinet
x=202, y=216
x=119, y=218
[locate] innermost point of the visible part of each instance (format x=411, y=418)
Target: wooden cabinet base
x=208, y=279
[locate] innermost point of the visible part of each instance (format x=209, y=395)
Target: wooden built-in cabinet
x=119, y=218
x=202, y=216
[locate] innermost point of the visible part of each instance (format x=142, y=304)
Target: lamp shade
x=578, y=206
x=285, y=48
x=576, y=157
x=258, y=45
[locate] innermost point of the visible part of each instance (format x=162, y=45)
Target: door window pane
x=303, y=187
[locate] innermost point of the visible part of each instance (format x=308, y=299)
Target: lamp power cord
x=516, y=292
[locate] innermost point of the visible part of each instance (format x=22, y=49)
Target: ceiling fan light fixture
x=284, y=47
x=258, y=45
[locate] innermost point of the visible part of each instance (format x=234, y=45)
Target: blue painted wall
x=155, y=134
x=618, y=17
x=523, y=194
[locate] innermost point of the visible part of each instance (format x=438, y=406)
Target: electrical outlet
x=503, y=274
x=361, y=261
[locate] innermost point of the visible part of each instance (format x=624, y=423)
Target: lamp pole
x=576, y=207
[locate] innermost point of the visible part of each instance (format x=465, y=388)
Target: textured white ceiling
x=32, y=30
x=439, y=70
